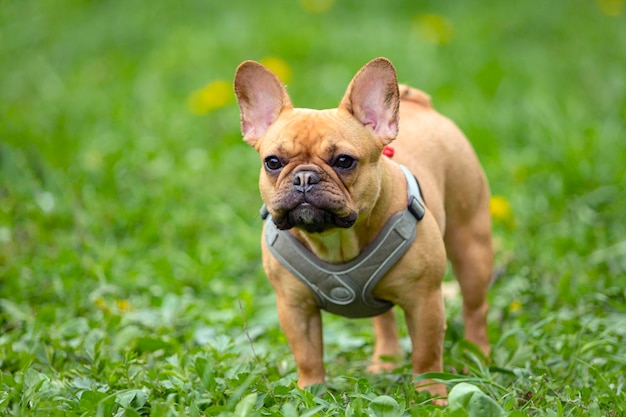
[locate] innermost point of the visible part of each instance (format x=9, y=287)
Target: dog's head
x=320, y=167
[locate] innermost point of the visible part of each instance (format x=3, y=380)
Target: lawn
x=130, y=277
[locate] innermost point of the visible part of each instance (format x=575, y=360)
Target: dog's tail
x=414, y=95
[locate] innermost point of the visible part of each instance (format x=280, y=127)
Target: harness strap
x=346, y=289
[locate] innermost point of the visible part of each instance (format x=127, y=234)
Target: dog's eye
x=344, y=162
x=273, y=163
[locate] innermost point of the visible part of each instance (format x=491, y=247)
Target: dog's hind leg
x=470, y=251
x=387, y=349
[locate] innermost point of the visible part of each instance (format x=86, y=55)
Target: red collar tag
x=388, y=151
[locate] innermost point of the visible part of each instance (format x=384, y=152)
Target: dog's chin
x=313, y=220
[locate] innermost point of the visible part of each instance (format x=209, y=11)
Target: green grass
x=130, y=279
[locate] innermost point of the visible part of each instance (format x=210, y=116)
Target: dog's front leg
x=302, y=324
x=426, y=322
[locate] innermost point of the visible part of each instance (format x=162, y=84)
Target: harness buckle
x=264, y=212
x=416, y=208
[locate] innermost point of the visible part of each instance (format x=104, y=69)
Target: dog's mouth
x=313, y=219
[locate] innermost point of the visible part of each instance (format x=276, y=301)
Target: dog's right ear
x=373, y=98
x=261, y=97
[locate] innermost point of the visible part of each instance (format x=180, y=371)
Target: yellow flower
x=215, y=95
x=123, y=305
x=279, y=67
x=102, y=304
x=317, y=6
x=434, y=28
x=515, y=306
x=501, y=210
x=611, y=8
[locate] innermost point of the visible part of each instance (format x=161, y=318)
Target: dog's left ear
x=373, y=98
x=261, y=97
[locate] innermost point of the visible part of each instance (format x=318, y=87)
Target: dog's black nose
x=305, y=180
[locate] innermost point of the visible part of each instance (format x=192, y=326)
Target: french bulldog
x=333, y=184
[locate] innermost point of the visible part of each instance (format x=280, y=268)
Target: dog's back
x=453, y=182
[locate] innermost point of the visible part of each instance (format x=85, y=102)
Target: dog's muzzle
x=304, y=181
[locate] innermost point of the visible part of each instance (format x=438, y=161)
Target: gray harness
x=346, y=289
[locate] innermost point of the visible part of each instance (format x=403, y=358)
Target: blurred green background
x=123, y=176
x=107, y=171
